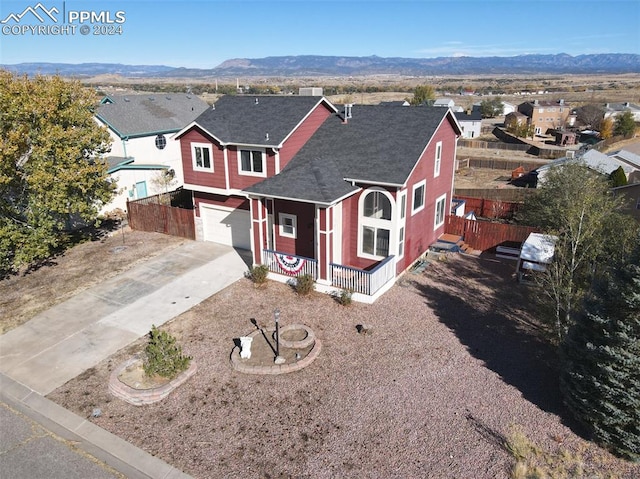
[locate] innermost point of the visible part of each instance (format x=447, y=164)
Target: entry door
x=141, y=189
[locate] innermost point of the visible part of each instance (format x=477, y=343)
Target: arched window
x=375, y=223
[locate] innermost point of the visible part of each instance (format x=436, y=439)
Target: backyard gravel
x=453, y=364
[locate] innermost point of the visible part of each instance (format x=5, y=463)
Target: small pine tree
x=600, y=377
x=163, y=357
x=617, y=177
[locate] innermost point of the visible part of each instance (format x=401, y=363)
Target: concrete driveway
x=62, y=342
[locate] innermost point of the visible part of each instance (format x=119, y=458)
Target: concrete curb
x=122, y=456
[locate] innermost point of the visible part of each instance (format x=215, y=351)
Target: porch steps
x=453, y=243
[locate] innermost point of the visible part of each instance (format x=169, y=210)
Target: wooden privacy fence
x=483, y=235
x=490, y=208
x=154, y=213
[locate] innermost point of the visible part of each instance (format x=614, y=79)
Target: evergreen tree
x=625, y=124
x=600, y=377
x=618, y=177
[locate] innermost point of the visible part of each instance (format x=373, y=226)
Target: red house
x=352, y=196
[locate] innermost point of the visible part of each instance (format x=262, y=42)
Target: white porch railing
x=290, y=265
x=361, y=281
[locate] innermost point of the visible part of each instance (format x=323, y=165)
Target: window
x=418, y=196
x=287, y=225
x=438, y=160
x=401, y=242
x=375, y=241
x=161, y=142
x=375, y=220
x=377, y=205
x=402, y=201
x=201, y=155
x=440, y=211
x=252, y=163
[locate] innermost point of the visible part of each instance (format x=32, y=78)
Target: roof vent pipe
x=256, y=101
x=347, y=110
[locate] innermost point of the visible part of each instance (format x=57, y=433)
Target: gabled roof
x=377, y=145
x=475, y=115
x=256, y=120
x=615, y=107
x=593, y=159
x=137, y=115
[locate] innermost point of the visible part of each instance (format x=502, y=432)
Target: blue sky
x=202, y=34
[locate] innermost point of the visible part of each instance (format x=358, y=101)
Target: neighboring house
x=395, y=103
x=141, y=128
x=508, y=108
x=544, y=115
x=471, y=123
x=515, y=118
x=600, y=162
x=631, y=193
x=444, y=102
x=612, y=110
x=352, y=196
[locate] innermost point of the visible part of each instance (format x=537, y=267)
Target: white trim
x=263, y=155
x=375, y=223
x=294, y=224
x=337, y=236
x=203, y=146
x=419, y=184
x=437, y=162
x=225, y=156
x=216, y=191
x=402, y=222
x=443, y=199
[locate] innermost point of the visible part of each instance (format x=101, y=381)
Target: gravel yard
x=453, y=364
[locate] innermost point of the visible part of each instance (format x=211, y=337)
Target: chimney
x=535, y=102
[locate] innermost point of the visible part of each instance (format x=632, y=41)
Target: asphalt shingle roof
x=256, y=120
x=378, y=145
x=141, y=115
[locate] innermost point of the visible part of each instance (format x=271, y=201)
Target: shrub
x=163, y=357
x=345, y=297
x=304, y=284
x=258, y=274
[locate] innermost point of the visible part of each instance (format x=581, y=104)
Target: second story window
x=252, y=162
x=438, y=159
x=202, y=157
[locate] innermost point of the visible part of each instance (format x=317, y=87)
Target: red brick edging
x=140, y=397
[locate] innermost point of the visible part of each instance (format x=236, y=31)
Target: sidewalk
x=66, y=340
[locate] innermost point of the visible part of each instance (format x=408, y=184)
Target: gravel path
x=453, y=363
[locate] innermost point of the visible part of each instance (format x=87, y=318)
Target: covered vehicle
x=536, y=253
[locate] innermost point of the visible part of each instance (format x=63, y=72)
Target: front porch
x=365, y=285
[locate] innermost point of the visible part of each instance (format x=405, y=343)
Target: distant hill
x=315, y=65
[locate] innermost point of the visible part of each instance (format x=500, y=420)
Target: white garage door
x=226, y=226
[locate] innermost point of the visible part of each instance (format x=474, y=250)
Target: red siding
x=419, y=232
x=238, y=181
x=302, y=134
x=303, y=244
x=216, y=179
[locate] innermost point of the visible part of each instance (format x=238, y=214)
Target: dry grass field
x=575, y=89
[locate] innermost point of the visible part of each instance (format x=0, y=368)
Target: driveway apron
x=73, y=336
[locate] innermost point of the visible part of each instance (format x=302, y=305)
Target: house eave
x=370, y=182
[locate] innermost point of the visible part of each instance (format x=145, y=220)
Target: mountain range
x=316, y=65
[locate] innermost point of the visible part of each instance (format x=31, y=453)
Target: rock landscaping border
x=140, y=397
